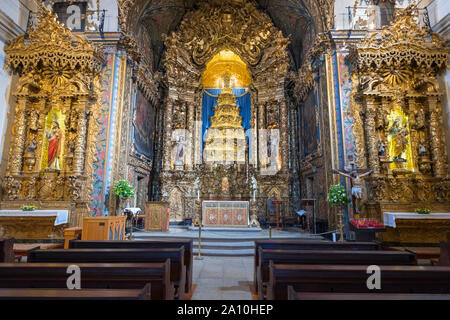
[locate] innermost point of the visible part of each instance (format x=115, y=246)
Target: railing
x=372, y=18
x=92, y=23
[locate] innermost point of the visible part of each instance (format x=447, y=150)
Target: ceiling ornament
x=229, y=25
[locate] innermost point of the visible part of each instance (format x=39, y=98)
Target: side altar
x=225, y=213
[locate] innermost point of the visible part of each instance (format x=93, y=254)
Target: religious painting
x=53, y=144
x=308, y=126
x=143, y=126
x=399, y=140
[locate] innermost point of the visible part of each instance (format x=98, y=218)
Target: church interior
x=224, y=150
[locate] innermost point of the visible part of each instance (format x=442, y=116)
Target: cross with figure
x=356, y=183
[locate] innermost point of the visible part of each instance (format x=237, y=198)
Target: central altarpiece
x=225, y=112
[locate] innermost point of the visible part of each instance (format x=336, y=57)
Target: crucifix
x=356, y=183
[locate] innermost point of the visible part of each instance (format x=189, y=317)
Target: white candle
x=254, y=195
x=198, y=194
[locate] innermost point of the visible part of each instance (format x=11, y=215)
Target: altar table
x=415, y=228
x=37, y=224
x=221, y=213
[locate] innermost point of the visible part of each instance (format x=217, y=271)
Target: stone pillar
x=167, y=134
x=18, y=144
x=372, y=150
x=439, y=167
x=80, y=139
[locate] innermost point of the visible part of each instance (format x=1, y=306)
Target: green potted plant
x=123, y=191
x=422, y=211
x=337, y=197
x=28, y=208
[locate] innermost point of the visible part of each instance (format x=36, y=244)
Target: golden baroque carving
x=239, y=27
x=59, y=81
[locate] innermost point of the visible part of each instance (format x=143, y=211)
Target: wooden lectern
x=104, y=228
x=157, y=216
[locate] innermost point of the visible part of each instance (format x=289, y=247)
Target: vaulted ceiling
x=291, y=16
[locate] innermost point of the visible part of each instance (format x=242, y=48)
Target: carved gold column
x=371, y=137
x=435, y=137
x=191, y=130
x=18, y=144
x=167, y=133
x=284, y=144
x=80, y=140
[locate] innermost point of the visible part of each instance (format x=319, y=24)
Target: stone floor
x=223, y=278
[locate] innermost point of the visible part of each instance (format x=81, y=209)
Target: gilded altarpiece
x=241, y=28
x=398, y=117
x=54, y=132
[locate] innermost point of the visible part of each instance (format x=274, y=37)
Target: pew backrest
x=353, y=279
x=82, y=294
x=92, y=276
x=444, y=257
x=145, y=244
x=308, y=245
x=7, y=250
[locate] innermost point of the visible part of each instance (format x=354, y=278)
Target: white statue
x=180, y=144
x=273, y=143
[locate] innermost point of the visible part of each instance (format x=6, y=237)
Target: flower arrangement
x=28, y=208
x=337, y=195
x=366, y=223
x=422, y=211
x=123, y=189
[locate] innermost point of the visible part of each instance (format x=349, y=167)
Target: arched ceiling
x=160, y=17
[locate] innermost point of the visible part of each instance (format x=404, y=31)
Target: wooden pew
x=444, y=258
x=327, y=257
x=307, y=245
x=83, y=294
x=175, y=256
x=7, y=250
x=353, y=279
x=310, y=296
x=93, y=276
x=147, y=244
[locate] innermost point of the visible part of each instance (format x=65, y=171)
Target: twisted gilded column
x=191, y=130
x=18, y=144
x=80, y=139
x=435, y=139
x=167, y=133
x=284, y=137
x=371, y=137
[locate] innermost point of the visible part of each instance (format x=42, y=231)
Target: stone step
x=225, y=253
x=226, y=245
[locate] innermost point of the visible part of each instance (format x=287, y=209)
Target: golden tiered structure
x=225, y=140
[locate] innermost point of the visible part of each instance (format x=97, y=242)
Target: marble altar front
x=220, y=213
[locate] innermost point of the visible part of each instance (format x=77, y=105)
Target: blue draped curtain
x=243, y=100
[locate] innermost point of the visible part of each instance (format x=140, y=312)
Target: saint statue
x=179, y=150
x=273, y=146
x=225, y=185
x=55, y=137
x=381, y=149
x=398, y=136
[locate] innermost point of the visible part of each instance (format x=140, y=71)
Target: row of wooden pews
x=322, y=267
x=160, y=270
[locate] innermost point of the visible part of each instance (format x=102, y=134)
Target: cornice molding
x=8, y=28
